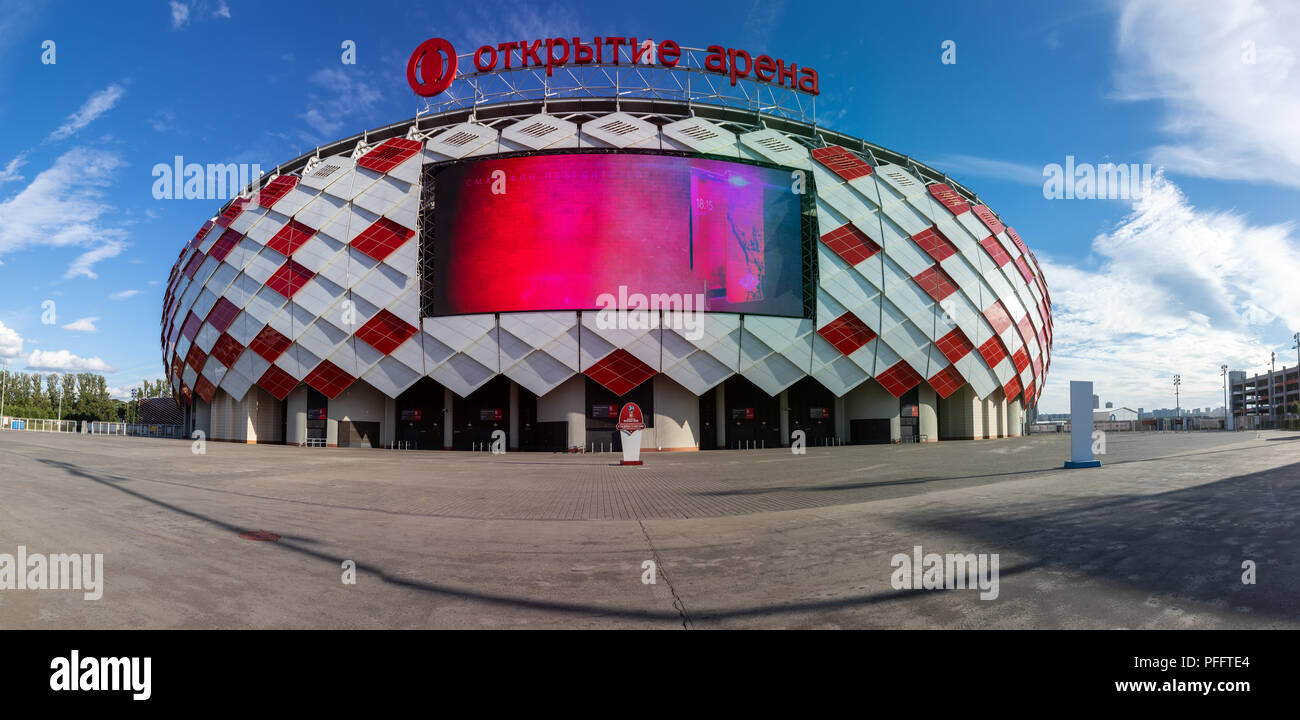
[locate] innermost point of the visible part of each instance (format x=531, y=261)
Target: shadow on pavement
x=517, y=601
x=1188, y=543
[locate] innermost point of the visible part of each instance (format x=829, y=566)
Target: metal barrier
x=39, y=425
x=315, y=442
x=96, y=427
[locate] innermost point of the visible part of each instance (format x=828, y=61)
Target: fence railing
x=96, y=427
x=38, y=424
x=93, y=427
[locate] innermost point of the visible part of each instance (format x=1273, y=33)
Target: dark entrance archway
x=812, y=409
x=420, y=415
x=753, y=417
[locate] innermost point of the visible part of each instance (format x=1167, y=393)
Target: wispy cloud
x=347, y=93
x=222, y=11
x=763, y=18
x=488, y=21
x=957, y=165
x=64, y=361
x=180, y=14
x=10, y=171
x=124, y=294
x=162, y=120
x=98, y=104
x=63, y=207
x=1152, y=307
x=86, y=324
x=1226, y=73
x=83, y=265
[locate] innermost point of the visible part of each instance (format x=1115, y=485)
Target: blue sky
x=1199, y=273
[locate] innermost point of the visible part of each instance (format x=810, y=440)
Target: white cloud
x=64, y=361
x=1176, y=290
x=162, y=120
x=957, y=164
x=1227, y=117
x=83, y=264
x=347, y=94
x=86, y=324
x=123, y=392
x=10, y=172
x=98, y=104
x=62, y=207
x=222, y=11
x=180, y=14
x=123, y=294
x=11, y=343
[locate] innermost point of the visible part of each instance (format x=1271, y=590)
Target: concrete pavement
x=1154, y=538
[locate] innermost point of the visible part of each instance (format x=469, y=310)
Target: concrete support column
x=1015, y=424
x=577, y=425
x=841, y=419
x=447, y=396
x=331, y=429
x=388, y=426
x=721, y=410
x=512, y=440
x=1002, y=416
x=785, y=418
x=928, y=411
x=295, y=425
x=202, y=416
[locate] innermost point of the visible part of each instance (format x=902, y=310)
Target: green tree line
x=83, y=396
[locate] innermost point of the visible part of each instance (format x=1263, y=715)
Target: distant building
x=1263, y=400
x=1110, y=405
x=1096, y=402
x=1114, y=413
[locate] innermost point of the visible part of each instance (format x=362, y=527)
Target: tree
x=52, y=389
x=69, y=394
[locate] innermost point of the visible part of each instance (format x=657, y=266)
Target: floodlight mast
x=1178, y=412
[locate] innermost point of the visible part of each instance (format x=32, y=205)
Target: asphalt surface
x=1156, y=538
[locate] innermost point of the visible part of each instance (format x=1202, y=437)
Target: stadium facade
x=432, y=282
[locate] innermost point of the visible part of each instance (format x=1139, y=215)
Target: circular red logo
x=630, y=419
x=427, y=72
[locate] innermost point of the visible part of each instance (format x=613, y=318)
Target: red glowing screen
x=558, y=232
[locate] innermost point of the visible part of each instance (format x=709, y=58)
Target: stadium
x=539, y=245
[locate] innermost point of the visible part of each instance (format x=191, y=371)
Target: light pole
x=1178, y=412
x=1223, y=370
x=1297, y=364
x=1272, y=362
x=4, y=387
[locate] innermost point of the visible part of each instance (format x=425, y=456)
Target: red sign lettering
x=432, y=66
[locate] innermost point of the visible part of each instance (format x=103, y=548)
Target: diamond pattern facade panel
x=911, y=271
x=851, y=244
x=620, y=371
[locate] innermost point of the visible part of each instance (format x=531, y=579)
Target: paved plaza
x=1155, y=538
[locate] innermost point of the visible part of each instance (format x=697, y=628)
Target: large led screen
x=558, y=232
